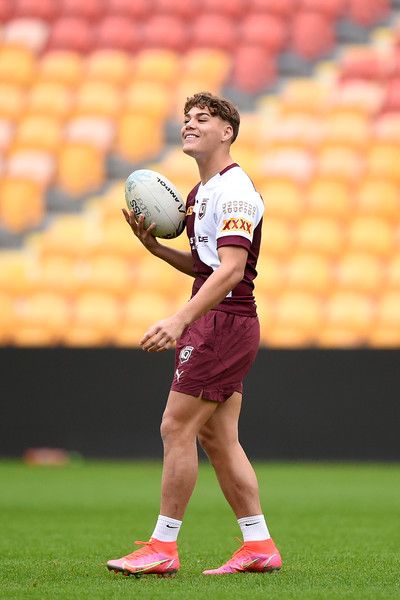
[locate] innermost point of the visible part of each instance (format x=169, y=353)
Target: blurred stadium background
x=91, y=90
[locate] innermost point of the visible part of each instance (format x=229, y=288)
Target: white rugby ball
x=153, y=195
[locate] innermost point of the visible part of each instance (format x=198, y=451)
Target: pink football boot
x=253, y=557
x=155, y=558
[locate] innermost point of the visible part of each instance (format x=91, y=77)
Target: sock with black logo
x=166, y=529
x=254, y=528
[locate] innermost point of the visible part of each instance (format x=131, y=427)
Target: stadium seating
x=87, y=87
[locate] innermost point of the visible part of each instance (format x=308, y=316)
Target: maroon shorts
x=214, y=354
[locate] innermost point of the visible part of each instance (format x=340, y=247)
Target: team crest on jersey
x=203, y=208
x=185, y=354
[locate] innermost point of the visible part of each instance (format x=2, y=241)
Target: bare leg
x=236, y=476
x=183, y=418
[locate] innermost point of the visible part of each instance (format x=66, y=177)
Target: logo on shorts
x=203, y=208
x=185, y=354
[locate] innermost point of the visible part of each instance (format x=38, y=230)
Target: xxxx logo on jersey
x=237, y=225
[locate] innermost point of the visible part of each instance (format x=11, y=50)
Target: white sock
x=166, y=529
x=254, y=528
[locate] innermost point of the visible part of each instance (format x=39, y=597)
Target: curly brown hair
x=217, y=106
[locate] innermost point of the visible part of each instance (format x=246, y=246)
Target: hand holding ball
x=153, y=195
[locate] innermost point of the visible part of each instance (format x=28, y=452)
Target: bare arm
x=182, y=261
x=164, y=333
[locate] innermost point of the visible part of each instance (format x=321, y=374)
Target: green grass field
x=337, y=526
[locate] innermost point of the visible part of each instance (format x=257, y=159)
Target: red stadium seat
x=331, y=8
x=230, y=8
x=137, y=9
x=118, y=33
x=363, y=62
x=46, y=10
x=178, y=8
x=285, y=8
x=253, y=69
x=6, y=10
x=312, y=35
x=89, y=9
x=164, y=31
x=266, y=31
x=368, y=12
x=392, y=100
x=214, y=31
x=71, y=33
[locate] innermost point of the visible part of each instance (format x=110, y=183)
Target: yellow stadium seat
x=278, y=237
x=98, y=311
x=69, y=235
x=388, y=310
x=387, y=128
x=21, y=204
x=50, y=98
x=39, y=132
x=384, y=161
x=146, y=98
x=6, y=133
x=110, y=273
x=384, y=337
x=320, y=234
x=15, y=272
x=97, y=98
x=286, y=337
x=210, y=64
x=175, y=165
x=309, y=272
x=61, y=66
x=17, y=65
x=144, y=308
x=157, y=65
x=350, y=311
x=156, y=276
x=58, y=273
x=340, y=162
x=306, y=95
x=138, y=137
x=346, y=127
x=82, y=336
x=32, y=336
x=36, y=165
x=298, y=310
x=379, y=197
x=338, y=337
x=393, y=271
x=271, y=275
x=117, y=237
x=80, y=168
x=12, y=100
x=296, y=128
x=371, y=234
x=288, y=162
x=357, y=94
x=6, y=316
x=282, y=198
x=330, y=198
x=109, y=65
x=46, y=311
x=359, y=272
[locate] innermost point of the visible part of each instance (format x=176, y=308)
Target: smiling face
x=203, y=134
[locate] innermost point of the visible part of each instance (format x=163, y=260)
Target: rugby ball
x=153, y=195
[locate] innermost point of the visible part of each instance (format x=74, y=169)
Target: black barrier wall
x=108, y=403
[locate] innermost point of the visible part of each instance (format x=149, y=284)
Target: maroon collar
x=228, y=167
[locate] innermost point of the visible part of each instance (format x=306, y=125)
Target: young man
x=217, y=338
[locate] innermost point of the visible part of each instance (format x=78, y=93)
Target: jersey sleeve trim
x=234, y=240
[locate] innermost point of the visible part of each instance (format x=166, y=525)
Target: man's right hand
x=144, y=235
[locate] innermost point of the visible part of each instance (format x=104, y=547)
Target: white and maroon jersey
x=226, y=211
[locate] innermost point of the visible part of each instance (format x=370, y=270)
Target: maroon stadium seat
x=71, y=33
x=6, y=10
x=117, y=32
x=214, y=31
x=268, y=31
